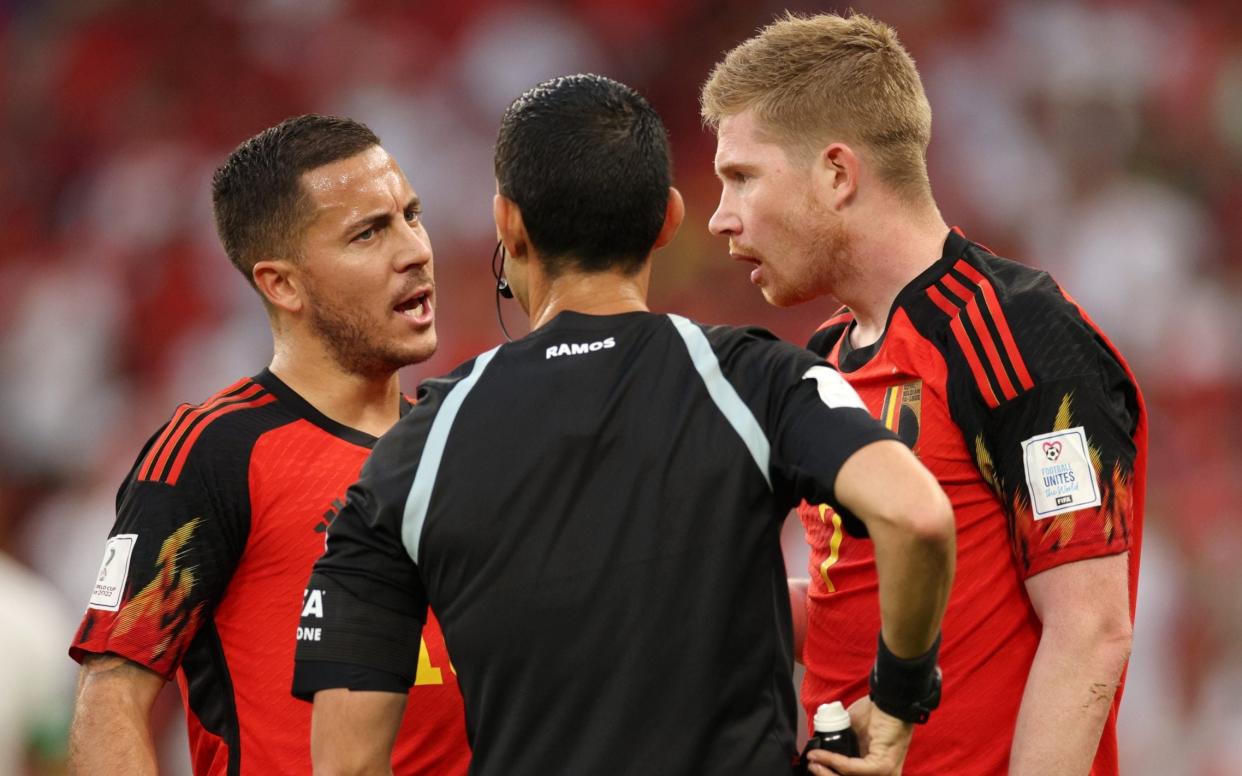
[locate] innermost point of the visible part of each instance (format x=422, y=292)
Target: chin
x=778, y=298
x=421, y=350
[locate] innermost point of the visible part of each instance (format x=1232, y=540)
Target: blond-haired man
x=1007, y=391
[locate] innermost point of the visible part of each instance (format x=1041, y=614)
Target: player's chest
x=904, y=387
x=297, y=488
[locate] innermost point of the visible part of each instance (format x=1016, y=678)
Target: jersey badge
x=901, y=410
x=1060, y=475
x=110, y=583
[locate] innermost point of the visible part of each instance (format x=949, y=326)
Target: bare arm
x=352, y=732
x=1085, y=610
x=911, y=524
x=111, y=730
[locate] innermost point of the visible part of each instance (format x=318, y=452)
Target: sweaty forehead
x=366, y=180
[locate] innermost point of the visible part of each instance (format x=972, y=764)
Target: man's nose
x=417, y=249
x=724, y=221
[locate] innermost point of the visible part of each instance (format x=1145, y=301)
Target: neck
x=371, y=404
x=593, y=293
x=899, y=244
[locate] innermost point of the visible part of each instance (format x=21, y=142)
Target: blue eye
x=365, y=235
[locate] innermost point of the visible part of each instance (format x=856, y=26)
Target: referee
x=593, y=511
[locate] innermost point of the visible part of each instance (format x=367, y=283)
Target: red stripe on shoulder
x=973, y=360
x=956, y=288
x=189, y=419
x=179, y=462
x=941, y=301
x=1002, y=325
x=159, y=450
x=958, y=327
x=989, y=347
x=842, y=317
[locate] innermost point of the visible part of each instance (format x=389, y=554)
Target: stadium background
x=1099, y=140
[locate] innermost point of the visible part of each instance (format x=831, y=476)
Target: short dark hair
x=257, y=194
x=587, y=161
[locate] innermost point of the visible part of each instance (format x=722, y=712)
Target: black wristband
x=906, y=688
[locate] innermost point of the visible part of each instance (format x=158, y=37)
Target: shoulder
x=217, y=432
x=1013, y=324
x=728, y=342
x=434, y=391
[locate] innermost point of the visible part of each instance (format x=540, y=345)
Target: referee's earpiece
x=502, y=284
x=498, y=263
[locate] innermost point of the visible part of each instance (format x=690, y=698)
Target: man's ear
x=836, y=174
x=279, y=284
x=510, y=228
x=674, y=213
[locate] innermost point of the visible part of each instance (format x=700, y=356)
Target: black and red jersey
x=1036, y=429
x=218, y=525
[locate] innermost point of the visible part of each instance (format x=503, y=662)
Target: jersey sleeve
x=365, y=605
x=814, y=420
x=167, y=561
x=1061, y=455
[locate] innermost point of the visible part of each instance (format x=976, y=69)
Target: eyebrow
x=727, y=167
x=380, y=218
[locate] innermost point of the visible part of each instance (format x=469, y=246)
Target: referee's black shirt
x=593, y=513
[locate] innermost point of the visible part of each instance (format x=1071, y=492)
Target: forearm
x=1085, y=610
x=111, y=722
x=915, y=575
x=911, y=524
x=352, y=732
x=1068, y=696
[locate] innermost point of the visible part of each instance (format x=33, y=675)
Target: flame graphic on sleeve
x=1030, y=536
x=158, y=616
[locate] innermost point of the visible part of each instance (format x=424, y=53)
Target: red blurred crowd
x=1099, y=139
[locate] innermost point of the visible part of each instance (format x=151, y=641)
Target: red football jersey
x=218, y=525
x=1035, y=428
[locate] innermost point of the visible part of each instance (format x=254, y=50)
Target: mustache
x=744, y=250
x=411, y=284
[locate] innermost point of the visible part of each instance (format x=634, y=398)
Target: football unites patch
x=1060, y=476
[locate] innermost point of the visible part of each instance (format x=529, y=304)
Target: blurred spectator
x=1102, y=139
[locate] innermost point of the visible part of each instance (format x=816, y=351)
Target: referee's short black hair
x=257, y=195
x=587, y=161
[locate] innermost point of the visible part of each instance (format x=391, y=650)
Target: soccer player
x=1001, y=384
x=224, y=511
x=593, y=511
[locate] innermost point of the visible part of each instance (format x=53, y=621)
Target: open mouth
x=416, y=308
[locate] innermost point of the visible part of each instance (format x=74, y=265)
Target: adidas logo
x=330, y=515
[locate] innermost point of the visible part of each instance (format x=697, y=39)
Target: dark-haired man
x=224, y=511
x=592, y=511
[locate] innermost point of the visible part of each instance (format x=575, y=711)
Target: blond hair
x=827, y=78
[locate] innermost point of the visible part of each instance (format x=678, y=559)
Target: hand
x=883, y=740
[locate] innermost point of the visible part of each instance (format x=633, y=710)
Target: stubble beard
x=827, y=263
x=348, y=335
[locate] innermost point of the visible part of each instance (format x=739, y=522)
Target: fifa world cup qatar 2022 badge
x=113, y=572
x=1060, y=475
